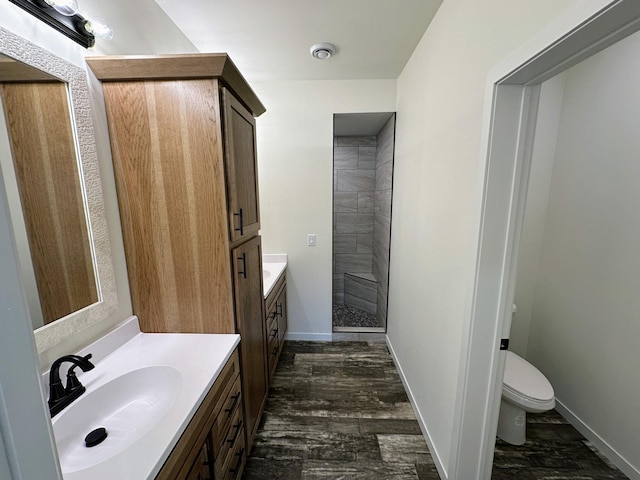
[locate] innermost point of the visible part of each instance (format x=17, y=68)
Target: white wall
x=295, y=162
x=438, y=174
x=585, y=324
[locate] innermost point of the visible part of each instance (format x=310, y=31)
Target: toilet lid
x=526, y=380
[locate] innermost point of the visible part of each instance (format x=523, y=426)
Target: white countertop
x=273, y=267
x=199, y=358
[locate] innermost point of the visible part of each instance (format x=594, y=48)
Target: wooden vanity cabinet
x=182, y=134
x=213, y=444
x=276, y=322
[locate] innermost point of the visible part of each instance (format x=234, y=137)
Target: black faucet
x=59, y=396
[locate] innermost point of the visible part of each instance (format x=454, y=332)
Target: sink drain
x=95, y=437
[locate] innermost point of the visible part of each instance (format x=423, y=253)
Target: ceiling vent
x=322, y=51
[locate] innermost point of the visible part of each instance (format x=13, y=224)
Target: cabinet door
x=201, y=469
x=250, y=325
x=241, y=168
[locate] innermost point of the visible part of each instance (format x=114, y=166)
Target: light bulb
x=68, y=8
x=99, y=28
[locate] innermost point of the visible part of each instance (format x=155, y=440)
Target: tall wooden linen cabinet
x=182, y=135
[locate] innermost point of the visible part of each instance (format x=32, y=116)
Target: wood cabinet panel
x=242, y=169
x=247, y=260
x=169, y=171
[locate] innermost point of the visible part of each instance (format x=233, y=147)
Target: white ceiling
x=270, y=39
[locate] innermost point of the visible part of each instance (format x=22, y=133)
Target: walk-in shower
x=363, y=150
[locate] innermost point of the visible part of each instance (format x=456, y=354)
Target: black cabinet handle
x=229, y=410
x=241, y=221
x=207, y=463
x=243, y=272
x=238, y=428
x=236, y=469
x=274, y=333
x=279, y=309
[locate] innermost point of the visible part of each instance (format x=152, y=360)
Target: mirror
x=50, y=167
x=39, y=162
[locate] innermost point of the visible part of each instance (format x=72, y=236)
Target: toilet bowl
x=524, y=389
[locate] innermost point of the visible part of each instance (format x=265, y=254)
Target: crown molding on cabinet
x=177, y=66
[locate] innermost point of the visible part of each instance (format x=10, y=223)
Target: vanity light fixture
x=99, y=28
x=68, y=8
x=63, y=16
x=322, y=51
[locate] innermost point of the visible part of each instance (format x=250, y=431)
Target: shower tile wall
x=382, y=211
x=353, y=208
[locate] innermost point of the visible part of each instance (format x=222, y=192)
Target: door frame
x=512, y=97
x=27, y=445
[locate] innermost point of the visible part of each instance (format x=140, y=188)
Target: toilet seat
x=526, y=386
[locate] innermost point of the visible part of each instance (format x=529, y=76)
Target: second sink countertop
x=273, y=267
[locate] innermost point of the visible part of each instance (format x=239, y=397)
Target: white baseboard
x=442, y=471
x=607, y=450
x=315, y=337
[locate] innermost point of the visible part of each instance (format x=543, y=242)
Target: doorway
x=363, y=148
x=512, y=102
x=577, y=265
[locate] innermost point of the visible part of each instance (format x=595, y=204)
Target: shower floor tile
x=348, y=316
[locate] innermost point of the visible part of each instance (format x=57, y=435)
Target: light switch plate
x=311, y=239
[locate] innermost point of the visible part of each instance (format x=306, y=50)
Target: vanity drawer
x=235, y=434
x=228, y=421
x=272, y=330
x=229, y=380
x=235, y=463
x=272, y=340
x=273, y=349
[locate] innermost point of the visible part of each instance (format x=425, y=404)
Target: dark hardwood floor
x=339, y=411
x=554, y=450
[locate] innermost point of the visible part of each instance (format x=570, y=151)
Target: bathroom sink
x=272, y=268
x=128, y=407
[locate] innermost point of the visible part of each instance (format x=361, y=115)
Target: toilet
x=524, y=389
